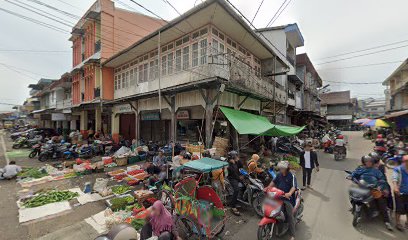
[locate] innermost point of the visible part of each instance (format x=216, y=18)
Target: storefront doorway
x=127, y=127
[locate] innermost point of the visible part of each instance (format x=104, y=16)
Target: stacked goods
x=195, y=148
x=142, y=195
x=49, y=197
x=221, y=146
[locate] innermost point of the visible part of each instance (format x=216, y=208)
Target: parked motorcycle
x=52, y=151
x=339, y=153
x=360, y=198
x=35, y=150
x=274, y=223
x=252, y=194
x=284, y=145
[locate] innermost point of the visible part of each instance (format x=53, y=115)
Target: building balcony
x=64, y=104
x=238, y=77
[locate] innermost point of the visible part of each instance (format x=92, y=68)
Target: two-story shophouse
x=55, y=104
x=168, y=85
x=286, y=39
x=102, y=31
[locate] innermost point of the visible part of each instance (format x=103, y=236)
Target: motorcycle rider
x=371, y=175
x=340, y=144
x=253, y=165
x=286, y=182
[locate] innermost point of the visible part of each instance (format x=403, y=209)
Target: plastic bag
x=100, y=184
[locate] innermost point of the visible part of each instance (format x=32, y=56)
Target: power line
x=273, y=45
x=39, y=13
x=276, y=13
x=274, y=20
x=19, y=72
x=24, y=70
x=363, y=50
x=358, y=66
x=73, y=16
x=55, y=28
x=70, y=5
x=281, y=12
x=259, y=7
x=361, y=55
x=171, y=5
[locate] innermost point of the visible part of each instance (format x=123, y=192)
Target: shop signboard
x=150, y=116
x=45, y=117
x=58, y=117
x=124, y=108
x=183, y=114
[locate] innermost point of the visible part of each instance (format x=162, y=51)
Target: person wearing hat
x=308, y=161
x=286, y=182
x=253, y=165
x=400, y=182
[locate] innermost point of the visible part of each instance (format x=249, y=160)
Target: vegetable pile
x=32, y=173
x=120, y=189
x=138, y=223
x=49, y=197
x=118, y=204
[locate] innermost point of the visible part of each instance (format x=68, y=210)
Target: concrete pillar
x=83, y=118
x=115, y=127
x=73, y=125
x=173, y=122
x=98, y=119
x=209, y=109
x=137, y=125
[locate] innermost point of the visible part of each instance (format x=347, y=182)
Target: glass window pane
x=186, y=57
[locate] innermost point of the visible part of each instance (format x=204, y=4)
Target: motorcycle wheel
x=188, y=228
x=32, y=154
x=265, y=232
x=257, y=201
x=42, y=157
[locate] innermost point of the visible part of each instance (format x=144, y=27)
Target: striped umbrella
x=362, y=120
x=376, y=123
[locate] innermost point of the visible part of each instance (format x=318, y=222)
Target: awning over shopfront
x=397, y=114
x=339, y=117
x=248, y=123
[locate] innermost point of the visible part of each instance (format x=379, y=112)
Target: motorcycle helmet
x=232, y=154
x=340, y=137
x=375, y=156
x=122, y=231
x=366, y=159
x=379, y=136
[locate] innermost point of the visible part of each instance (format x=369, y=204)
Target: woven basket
x=123, y=161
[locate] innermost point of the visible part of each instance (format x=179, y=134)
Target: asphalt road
x=326, y=214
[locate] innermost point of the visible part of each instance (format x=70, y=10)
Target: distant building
x=371, y=108
x=338, y=108
x=397, y=88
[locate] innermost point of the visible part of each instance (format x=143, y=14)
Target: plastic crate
x=133, y=159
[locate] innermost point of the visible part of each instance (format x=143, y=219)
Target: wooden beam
x=242, y=102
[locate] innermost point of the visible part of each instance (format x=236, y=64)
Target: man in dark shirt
x=286, y=182
x=234, y=179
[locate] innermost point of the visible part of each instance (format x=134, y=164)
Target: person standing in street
x=400, y=181
x=308, y=161
x=234, y=179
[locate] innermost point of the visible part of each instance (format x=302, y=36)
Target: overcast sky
x=329, y=27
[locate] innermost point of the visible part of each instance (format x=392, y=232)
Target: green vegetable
x=129, y=199
x=138, y=223
x=118, y=204
x=49, y=197
x=32, y=173
x=120, y=189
